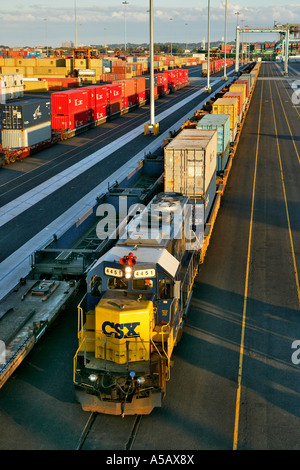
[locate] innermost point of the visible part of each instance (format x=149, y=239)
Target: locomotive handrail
x=80, y=315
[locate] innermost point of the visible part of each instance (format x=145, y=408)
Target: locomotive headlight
x=93, y=378
x=140, y=380
x=128, y=272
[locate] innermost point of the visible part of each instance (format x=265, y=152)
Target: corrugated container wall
x=240, y=87
x=25, y=113
x=227, y=106
x=239, y=96
x=190, y=162
x=20, y=138
x=69, y=102
x=221, y=123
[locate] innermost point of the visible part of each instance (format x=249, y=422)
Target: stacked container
x=240, y=87
x=114, y=98
x=190, y=166
x=97, y=102
x=140, y=89
x=245, y=82
x=70, y=109
x=228, y=106
x=128, y=92
x=239, y=96
x=162, y=83
x=251, y=79
x=25, y=123
x=11, y=87
x=221, y=123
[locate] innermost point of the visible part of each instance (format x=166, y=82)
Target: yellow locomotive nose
x=123, y=329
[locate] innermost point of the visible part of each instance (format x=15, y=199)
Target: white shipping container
x=19, y=80
x=190, y=161
x=21, y=138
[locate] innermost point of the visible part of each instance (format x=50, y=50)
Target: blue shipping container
x=221, y=122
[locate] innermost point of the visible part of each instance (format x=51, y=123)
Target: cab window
x=96, y=286
x=142, y=284
x=117, y=283
x=164, y=289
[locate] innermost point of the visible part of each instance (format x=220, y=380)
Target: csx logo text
x=118, y=329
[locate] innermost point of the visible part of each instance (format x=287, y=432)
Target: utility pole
x=208, y=88
x=225, y=43
x=75, y=25
x=125, y=4
x=171, y=19
x=151, y=128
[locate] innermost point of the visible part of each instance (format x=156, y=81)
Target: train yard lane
x=233, y=383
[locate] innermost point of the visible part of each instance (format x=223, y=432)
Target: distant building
x=68, y=44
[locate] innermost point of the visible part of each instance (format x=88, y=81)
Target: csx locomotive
x=137, y=297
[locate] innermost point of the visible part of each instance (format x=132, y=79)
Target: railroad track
x=89, y=425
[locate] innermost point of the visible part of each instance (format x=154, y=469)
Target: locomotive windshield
x=117, y=283
x=142, y=284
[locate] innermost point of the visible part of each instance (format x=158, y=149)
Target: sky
x=103, y=22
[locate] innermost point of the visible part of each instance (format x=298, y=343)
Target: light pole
x=75, y=24
x=151, y=128
x=171, y=19
x=237, y=45
x=125, y=4
x=247, y=44
x=186, y=41
x=225, y=43
x=105, y=44
x=46, y=21
x=242, y=21
x=208, y=88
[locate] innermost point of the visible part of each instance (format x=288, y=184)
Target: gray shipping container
x=25, y=113
x=21, y=138
x=190, y=162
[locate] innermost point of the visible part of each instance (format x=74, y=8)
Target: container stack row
x=75, y=108
x=194, y=158
x=216, y=66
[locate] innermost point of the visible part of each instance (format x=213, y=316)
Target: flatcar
x=136, y=303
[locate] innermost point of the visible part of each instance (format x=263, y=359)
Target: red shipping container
x=97, y=113
x=128, y=87
x=72, y=121
x=101, y=95
x=91, y=96
x=114, y=107
x=140, y=84
x=185, y=74
x=239, y=96
x=141, y=97
x=114, y=92
x=162, y=88
x=243, y=82
x=97, y=95
x=129, y=101
x=69, y=102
